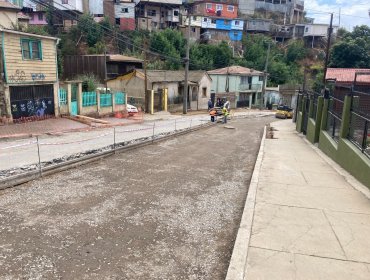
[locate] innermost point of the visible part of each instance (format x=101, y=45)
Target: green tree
x=90, y=29
x=349, y=54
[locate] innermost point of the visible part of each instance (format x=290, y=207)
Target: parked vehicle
x=131, y=110
x=284, y=112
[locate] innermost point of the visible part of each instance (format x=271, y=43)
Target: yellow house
x=29, y=75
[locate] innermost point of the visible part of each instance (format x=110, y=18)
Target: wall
x=72, y=5
x=223, y=24
x=235, y=35
x=8, y=18
x=195, y=21
x=124, y=10
x=131, y=85
x=19, y=71
x=201, y=8
x=96, y=7
x=127, y=24
x=34, y=18
x=247, y=7
x=203, y=101
x=208, y=23
x=258, y=25
x=237, y=24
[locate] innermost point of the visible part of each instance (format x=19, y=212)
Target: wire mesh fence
x=38, y=153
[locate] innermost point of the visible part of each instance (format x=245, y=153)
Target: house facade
x=29, y=80
x=158, y=14
x=133, y=84
x=243, y=85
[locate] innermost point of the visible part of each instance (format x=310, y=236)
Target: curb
x=238, y=263
x=35, y=174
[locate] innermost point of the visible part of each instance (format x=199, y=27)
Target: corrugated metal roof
x=235, y=70
x=347, y=75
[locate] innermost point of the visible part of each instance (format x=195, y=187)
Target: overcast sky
x=353, y=12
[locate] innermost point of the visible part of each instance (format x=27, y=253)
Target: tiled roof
x=347, y=75
x=235, y=70
x=8, y=5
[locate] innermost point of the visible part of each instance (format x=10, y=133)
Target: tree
x=90, y=29
x=349, y=54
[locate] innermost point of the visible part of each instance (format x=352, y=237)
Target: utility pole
x=265, y=76
x=146, y=95
x=330, y=31
x=186, y=89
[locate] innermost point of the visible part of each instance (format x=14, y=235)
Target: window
x=175, y=13
x=152, y=13
x=204, y=92
x=124, y=10
x=260, y=78
x=226, y=22
x=219, y=7
x=31, y=49
x=237, y=22
x=208, y=6
x=306, y=30
x=118, y=21
x=194, y=18
x=205, y=19
x=193, y=29
x=64, y=1
x=230, y=8
x=213, y=21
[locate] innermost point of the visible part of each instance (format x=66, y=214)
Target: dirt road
x=165, y=211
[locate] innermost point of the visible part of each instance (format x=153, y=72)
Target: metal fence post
x=190, y=122
x=38, y=153
x=175, y=125
x=153, y=131
x=114, y=139
x=364, y=139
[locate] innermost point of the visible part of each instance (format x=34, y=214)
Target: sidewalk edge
x=357, y=185
x=238, y=262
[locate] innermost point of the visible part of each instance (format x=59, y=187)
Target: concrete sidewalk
x=305, y=217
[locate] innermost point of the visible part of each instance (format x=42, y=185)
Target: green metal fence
x=62, y=96
x=105, y=99
x=120, y=98
x=89, y=99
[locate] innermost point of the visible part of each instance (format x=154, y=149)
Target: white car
x=131, y=109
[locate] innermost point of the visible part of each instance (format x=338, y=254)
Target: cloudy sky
x=353, y=12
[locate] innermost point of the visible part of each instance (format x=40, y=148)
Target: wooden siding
x=19, y=71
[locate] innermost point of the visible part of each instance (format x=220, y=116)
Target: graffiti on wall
x=17, y=77
x=38, y=76
x=28, y=108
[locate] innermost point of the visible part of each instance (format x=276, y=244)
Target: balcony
x=250, y=87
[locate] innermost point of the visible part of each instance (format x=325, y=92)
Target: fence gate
x=32, y=101
x=74, y=104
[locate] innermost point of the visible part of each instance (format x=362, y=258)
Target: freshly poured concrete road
x=169, y=210
x=309, y=222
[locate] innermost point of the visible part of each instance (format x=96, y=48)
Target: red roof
x=347, y=75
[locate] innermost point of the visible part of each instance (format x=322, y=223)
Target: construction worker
x=225, y=112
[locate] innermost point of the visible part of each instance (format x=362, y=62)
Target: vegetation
x=287, y=62
x=352, y=49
